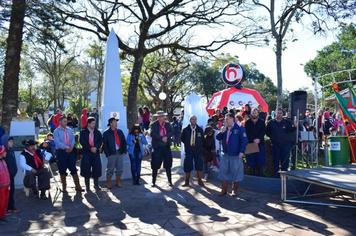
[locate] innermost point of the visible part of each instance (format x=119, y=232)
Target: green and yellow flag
x=352, y=92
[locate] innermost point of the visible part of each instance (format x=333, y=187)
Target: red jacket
x=84, y=118
x=146, y=117
x=56, y=120
x=4, y=174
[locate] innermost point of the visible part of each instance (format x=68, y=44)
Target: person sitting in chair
x=32, y=161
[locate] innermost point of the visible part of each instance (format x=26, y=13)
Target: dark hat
x=29, y=142
x=111, y=119
x=160, y=113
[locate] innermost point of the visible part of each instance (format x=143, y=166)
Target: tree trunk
x=12, y=63
x=279, y=71
x=132, y=95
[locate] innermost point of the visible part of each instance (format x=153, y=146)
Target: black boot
x=87, y=183
x=134, y=181
x=252, y=170
x=169, y=176
x=138, y=181
x=260, y=171
x=96, y=184
x=154, y=176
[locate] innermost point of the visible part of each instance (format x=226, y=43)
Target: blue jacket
x=237, y=140
x=131, y=145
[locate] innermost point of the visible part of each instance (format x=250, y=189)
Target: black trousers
x=11, y=204
x=43, y=179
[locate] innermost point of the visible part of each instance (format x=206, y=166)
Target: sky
x=293, y=58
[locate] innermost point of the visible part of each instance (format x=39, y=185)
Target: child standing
x=12, y=168
x=208, y=149
x=4, y=186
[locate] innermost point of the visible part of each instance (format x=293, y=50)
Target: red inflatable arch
x=233, y=97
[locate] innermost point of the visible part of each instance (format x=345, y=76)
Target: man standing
x=278, y=130
x=161, y=133
x=56, y=117
x=84, y=117
x=234, y=142
x=32, y=161
x=115, y=149
x=91, y=140
x=64, y=140
x=261, y=114
x=95, y=114
x=192, y=137
x=255, y=130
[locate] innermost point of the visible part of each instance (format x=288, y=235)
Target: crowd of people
x=221, y=144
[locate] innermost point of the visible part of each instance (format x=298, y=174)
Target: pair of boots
x=224, y=185
x=199, y=176
x=118, y=182
x=76, y=182
x=96, y=184
x=136, y=181
x=154, y=176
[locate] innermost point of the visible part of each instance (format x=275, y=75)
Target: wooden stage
x=337, y=178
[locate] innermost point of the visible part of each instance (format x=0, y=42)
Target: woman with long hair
x=135, y=141
x=140, y=118
x=75, y=123
x=70, y=120
x=146, y=118
x=37, y=124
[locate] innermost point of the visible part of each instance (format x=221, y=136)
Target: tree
x=96, y=59
x=293, y=12
x=161, y=73
x=153, y=25
x=338, y=56
x=12, y=63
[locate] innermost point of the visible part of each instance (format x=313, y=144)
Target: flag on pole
x=352, y=92
x=348, y=111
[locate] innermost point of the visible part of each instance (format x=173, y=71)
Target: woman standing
x=70, y=121
x=339, y=122
x=247, y=110
x=50, y=123
x=140, y=118
x=75, y=123
x=37, y=124
x=146, y=118
x=135, y=141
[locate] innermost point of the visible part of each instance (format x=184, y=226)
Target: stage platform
x=338, y=178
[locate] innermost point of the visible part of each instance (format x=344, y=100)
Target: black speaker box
x=297, y=101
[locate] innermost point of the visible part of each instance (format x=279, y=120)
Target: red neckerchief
x=163, y=129
x=36, y=158
x=117, y=140
x=91, y=137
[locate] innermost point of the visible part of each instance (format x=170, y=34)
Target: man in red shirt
x=56, y=117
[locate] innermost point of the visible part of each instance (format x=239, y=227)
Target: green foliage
x=337, y=56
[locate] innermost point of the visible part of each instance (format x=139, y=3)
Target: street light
x=162, y=96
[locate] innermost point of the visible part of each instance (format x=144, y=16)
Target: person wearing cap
x=91, y=141
x=4, y=186
x=114, y=144
x=234, y=142
x=12, y=167
x=161, y=133
x=32, y=161
x=192, y=137
x=64, y=140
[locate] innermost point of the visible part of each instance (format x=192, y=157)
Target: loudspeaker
x=297, y=101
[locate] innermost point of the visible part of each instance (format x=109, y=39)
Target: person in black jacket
x=91, y=140
x=192, y=137
x=255, y=130
x=278, y=130
x=161, y=133
x=114, y=144
x=10, y=160
x=208, y=150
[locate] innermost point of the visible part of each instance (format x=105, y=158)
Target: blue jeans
x=135, y=160
x=280, y=154
x=146, y=125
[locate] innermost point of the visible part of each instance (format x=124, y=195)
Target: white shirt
x=23, y=163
